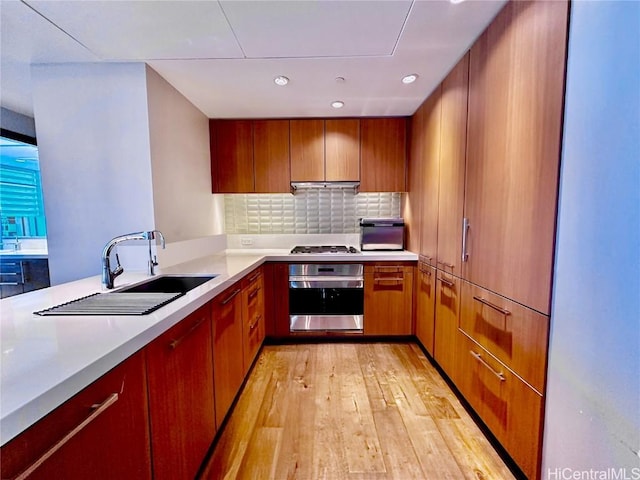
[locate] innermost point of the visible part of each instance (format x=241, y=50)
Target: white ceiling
x=223, y=55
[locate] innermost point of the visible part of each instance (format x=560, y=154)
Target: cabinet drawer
x=100, y=433
x=516, y=335
x=253, y=325
x=510, y=408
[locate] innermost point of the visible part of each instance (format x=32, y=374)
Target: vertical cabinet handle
x=99, y=409
x=465, y=231
x=478, y=357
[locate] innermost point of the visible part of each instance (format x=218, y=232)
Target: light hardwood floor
x=350, y=411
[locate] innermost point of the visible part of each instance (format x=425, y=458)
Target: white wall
x=93, y=140
x=180, y=164
x=593, y=395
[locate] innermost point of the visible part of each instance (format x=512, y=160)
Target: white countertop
x=48, y=359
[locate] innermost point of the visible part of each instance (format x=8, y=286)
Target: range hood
x=295, y=186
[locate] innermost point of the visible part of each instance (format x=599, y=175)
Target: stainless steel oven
x=326, y=297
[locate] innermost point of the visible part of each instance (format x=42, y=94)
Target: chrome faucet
x=108, y=275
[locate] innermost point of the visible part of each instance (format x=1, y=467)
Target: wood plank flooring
x=350, y=411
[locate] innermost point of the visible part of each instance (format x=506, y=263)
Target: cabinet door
x=383, y=154
x=181, y=402
x=388, y=300
x=36, y=274
x=446, y=324
x=342, y=150
x=430, y=172
x=516, y=84
x=453, y=142
x=425, y=306
x=271, y=156
x=277, y=299
x=252, y=315
x=307, y=150
x=228, y=369
x=233, y=156
x=412, y=207
x=100, y=433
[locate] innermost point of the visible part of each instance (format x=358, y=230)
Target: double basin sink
x=140, y=299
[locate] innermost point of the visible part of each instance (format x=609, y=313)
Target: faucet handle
x=118, y=270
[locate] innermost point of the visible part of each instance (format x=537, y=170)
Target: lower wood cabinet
x=276, y=288
x=388, y=299
x=228, y=358
x=253, y=323
x=446, y=323
x=425, y=305
x=509, y=407
x=181, y=401
x=100, y=433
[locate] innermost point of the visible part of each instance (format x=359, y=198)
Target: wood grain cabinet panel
x=412, y=206
x=228, y=357
x=110, y=421
x=180, y=370
x=516, y=87
x=342, y=150
x=253, y=323
x=232, y=156
x=509, y=407
x=425, y=305
x=453, y=142
x=514, y=334
x=276, y=285
x=383, y=154
x=446, y=323
x=271, y=156
x=388, y=300
x=307, y=150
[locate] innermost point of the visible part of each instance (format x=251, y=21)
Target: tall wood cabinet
x=516, y=87
x=425, y=305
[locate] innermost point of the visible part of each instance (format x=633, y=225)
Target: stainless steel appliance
x=381, y=234
x=324, y=249
x=326, y=297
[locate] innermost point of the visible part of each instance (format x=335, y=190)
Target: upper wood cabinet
x=383, y=153
x=342, y=149
x=232, y=156
x=307, y=150
x=325, y=150
x=453, y=142
x=516, y=85
x=271, y=156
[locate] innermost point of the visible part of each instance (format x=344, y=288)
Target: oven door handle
x=327, y=278
x=307, y=284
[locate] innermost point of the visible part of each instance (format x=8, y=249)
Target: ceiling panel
x=279, y=29
x=141, y=30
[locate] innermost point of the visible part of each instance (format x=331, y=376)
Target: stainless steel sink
x=140, y=299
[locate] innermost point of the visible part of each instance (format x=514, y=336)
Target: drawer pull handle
x=230, y=297
x=446, y=282
x=425, y=258
x=388, y=269
x=99, y=409
x=465, y=231
x=253, y=293
x=388, y=281
x=253, y=277
x=12, y=284
x=489, y=304
x=478, y=357
x=445, y=264
x=426, y=272
x=174, y=343
x=255, y=324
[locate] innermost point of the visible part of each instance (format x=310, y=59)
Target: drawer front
x=252, y=278
x=100, y=433
x=425, y=305
x=446, y=322
x=253, y=318
x=516, y=335
x=510, y=408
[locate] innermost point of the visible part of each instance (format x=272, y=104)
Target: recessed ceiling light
x=337, y=104
x=410, y=78
x=281, y=80
x=455, y=2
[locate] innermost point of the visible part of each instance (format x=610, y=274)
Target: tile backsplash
x=308, y=211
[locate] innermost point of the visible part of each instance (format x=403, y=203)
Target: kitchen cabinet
x=388, y=299
x=277, y=299
x=383, y=154
x=181, y=397
x=425, y=306
x=231, y=146
x=307, y=150
x=452, y=155
x=100, y=433
x=325, y=150
x=509, y=407
x=516, y=87
x=271, y=156
x=20, y=275
x=253, y=322
x=446, y=323
x=228, y=358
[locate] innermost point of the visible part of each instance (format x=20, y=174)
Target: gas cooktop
x=324, y=249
